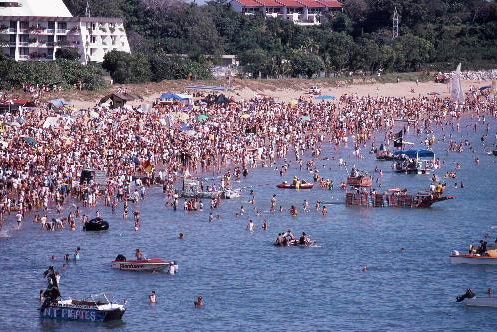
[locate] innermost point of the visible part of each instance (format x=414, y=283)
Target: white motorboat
x=484, y=301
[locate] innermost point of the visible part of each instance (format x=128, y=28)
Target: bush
x=62, y=72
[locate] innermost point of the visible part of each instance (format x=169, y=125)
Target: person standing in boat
x=139, y=255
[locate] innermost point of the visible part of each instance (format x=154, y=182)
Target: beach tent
x=119, y=99
x=58, y=103
x=485, y=87
x=171, y=97
x=324, y=97
x=221, y=99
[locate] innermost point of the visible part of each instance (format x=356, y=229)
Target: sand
x=292, y=89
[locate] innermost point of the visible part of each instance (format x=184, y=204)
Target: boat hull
x=482, y=302
x=201, y=195
x=473, y=260
x=81, y=313
x=292, y=186
x=150, y=265
x=96, y=225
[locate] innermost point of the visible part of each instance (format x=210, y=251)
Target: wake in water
x=4, y=234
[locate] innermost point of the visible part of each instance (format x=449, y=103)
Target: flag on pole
x=397, y=140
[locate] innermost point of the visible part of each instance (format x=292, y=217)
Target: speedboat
x=470, y=299
x=96, y=308
x=91, y=309
x=150, y=264
x=489, y=258
x=96, y=224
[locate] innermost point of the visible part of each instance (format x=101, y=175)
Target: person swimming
x=199, y=302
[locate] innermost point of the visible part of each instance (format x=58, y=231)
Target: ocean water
x=248, y=284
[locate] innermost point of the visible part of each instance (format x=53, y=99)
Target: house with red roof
x=301, y=12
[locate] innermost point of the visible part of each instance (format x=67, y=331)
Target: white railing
x=23, y=57
x=61, y=31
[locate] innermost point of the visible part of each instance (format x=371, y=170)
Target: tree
x=127, y=68
x=306, y=64
x=67, y=54
x=411, y=52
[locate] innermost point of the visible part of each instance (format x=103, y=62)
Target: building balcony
x=23, y=44
x=8, y=44
x=61, y=31
x=7, y=30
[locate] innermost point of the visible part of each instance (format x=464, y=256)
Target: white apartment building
x=35, y=29
x=300, y=12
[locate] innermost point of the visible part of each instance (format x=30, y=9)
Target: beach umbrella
x=325, y=97
x=181, y=116
x=191, y=132
x=486, y=87
x=305, y=118
x=293, y=102
x=245, y=116
x=185, y=127
x=30, y=141
x=202, y=117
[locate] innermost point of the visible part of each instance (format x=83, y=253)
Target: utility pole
x=395, y=27
x=87, y=10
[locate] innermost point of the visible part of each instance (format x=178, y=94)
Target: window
x=10, y=4
x=62, y=25
x=24, y=25
x=13, y=24
x=93, y=39
x=51, y=25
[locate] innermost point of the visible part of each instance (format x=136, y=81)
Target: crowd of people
x=44, y=152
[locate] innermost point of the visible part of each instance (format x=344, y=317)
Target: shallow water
x=248, y=284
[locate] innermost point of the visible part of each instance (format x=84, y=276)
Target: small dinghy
x=97, y=224
x=150, y=264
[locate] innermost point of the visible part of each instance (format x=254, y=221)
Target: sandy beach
x=281, y=90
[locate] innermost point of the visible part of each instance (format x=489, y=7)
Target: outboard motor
x=468, y=295
x=455, y=253
x=120, y=258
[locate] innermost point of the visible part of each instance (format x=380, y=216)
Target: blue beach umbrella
x=325, y=97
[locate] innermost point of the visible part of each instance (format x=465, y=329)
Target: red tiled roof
x=291, y=3
x=249, y=3
x=311, y=4
x=270, y=3
x=331, y=3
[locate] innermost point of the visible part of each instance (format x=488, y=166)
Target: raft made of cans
x=359, y=195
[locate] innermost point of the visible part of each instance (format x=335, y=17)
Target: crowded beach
x=46, y=148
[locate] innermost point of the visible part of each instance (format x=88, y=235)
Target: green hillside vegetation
x=177, y=40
